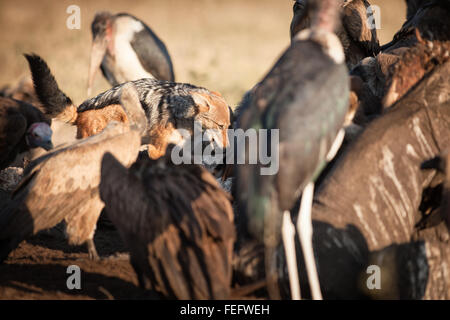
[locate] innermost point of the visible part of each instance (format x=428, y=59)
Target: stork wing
x=152, y=54
x=106, y=67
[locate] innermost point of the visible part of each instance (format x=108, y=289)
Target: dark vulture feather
x=177, y=223
x=63, y=184
x=22, y=127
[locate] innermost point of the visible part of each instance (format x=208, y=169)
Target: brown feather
x=412, y=66
x=178, y=224
x=63, y=185
x=15, y=118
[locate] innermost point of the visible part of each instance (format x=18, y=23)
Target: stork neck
x=325, y=14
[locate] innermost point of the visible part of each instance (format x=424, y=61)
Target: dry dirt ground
x=38, y=269
x=223, y=45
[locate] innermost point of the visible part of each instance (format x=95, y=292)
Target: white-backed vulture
x=62, y=185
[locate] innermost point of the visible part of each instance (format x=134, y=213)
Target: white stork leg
x=304, y=227
x=288, y=235
x=336, y=145
x=304, y=224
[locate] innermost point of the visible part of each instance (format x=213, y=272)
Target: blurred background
x=223, y=45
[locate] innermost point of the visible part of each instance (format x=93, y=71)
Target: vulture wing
x=62, y=185
x=178, y=224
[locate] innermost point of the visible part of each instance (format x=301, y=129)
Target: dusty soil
x=37, y=269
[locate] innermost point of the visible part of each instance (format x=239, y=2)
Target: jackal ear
x=202, y=100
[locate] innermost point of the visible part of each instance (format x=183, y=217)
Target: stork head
x=102, y=29
x=39, y=134
x=324, y=18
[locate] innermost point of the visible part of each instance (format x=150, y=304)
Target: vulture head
x=39, y=134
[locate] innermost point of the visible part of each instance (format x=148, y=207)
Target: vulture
x=430, y=17
x=22, y=127
x=177, y=223
x=63, y=184
x=126, y=49
x=304, y=96
x=168, y=106
x=412, y=66
x=357, y=37
x=423, y=38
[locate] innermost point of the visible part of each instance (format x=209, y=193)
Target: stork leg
x=304, y=224
x=336, y=145
x=304, y=227
x=288, y=234
x=93, y=255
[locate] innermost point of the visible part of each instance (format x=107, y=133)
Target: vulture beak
x=98, y=50
x=48, y=145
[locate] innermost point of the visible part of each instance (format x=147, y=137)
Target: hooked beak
x=98, y=50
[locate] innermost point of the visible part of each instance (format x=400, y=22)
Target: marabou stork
x=305, y=96
x=126, y=49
